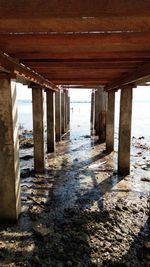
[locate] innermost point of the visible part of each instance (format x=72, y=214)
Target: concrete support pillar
x=9, y=152
x=58, y=115
x=63, y=118
x=96, y=123
x=102, y=116
x=110, y=122
x=38, y=129
x=68, y=117
x=66, y=110
x=50, y=121
x=125, y=130
x=92, y=110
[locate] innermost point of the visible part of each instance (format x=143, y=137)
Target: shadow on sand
x=72, y=217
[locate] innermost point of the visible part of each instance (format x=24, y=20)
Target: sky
x=141, y=93
x=23, y=92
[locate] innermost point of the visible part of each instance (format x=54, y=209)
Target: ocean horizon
x=80, y=117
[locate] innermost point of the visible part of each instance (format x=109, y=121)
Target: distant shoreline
x=30, y=101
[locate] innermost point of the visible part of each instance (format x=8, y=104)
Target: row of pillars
x=58, y=118
x=103, y=121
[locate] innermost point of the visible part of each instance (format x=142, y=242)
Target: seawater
x=25, y=114
x=80, y=118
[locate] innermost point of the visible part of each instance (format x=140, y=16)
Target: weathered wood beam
x=74, y=15
x=12, y=66
x=83, y=65
x=90, y=86
x=90, y=71
x=82, y=80
x=94, y=82
x=73, y=39
x=141, y=73
x=83, y=73
x=73, y=49
x=66, y=8
x=121, y=55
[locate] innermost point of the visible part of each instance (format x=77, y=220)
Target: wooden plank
x=67, y=8
x=18, y=50
x=80, y=39
x=65, y=15
x=26, y=56
x=58, y=66
x=110, y=58
x=80, y=72
x=79, y=81
x=62, y=25
x=14, y=67
x=90, y=86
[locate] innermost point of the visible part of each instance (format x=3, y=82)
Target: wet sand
x=80, y=212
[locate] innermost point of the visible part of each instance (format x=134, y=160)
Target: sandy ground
x=80, y=212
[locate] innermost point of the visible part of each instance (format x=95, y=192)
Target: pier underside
x=80, y=204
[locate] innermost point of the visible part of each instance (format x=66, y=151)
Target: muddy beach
x=80, y=212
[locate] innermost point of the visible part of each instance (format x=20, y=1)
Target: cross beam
x=11, y=66
x=142, y=73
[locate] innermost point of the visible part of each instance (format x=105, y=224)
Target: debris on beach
x=80, y=213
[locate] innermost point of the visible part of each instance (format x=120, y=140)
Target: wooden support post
x=9, y=152
x=50, y=121
x=38, y=129
x=110, y=121
x=125, y=130
x=63, y=103
x=102, y=115
x=92, y=111
x=58, y=115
